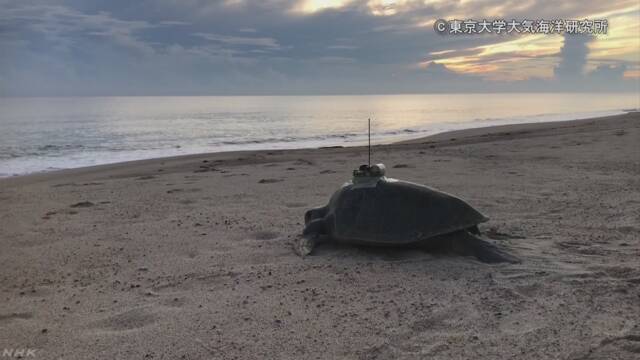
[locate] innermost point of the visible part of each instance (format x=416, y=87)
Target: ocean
x=44, y=134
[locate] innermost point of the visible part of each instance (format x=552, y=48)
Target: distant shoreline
x=45, y=135
x=474, y=133
x=465, y=136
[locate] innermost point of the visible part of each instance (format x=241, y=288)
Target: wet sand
x=191, y=257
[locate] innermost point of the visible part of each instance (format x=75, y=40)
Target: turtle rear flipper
x=466, y=244
x=486, y=251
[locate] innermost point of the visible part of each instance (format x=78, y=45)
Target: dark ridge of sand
x=191, y=257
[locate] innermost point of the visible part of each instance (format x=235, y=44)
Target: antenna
x=369, y=142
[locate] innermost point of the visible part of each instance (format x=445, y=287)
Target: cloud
x=342, y=47
x=573, y=56
x=264, y=42
x=606, y=72
x=63, y=27
x=246, y=47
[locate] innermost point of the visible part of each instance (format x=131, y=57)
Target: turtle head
x=316, y=213
x=367, y=174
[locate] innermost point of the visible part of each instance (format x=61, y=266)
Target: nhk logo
x=18, y=353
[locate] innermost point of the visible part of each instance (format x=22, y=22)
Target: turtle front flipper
x=312, y=234
x=305, y=245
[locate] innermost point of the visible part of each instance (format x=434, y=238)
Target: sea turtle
x=375, y=210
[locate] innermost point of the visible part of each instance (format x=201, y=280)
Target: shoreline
x=470, y=135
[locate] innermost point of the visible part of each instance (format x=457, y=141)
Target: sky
x=288, y=47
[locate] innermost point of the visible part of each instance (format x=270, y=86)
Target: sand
x=191, y=257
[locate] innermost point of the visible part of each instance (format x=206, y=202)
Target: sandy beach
x=191, y=257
